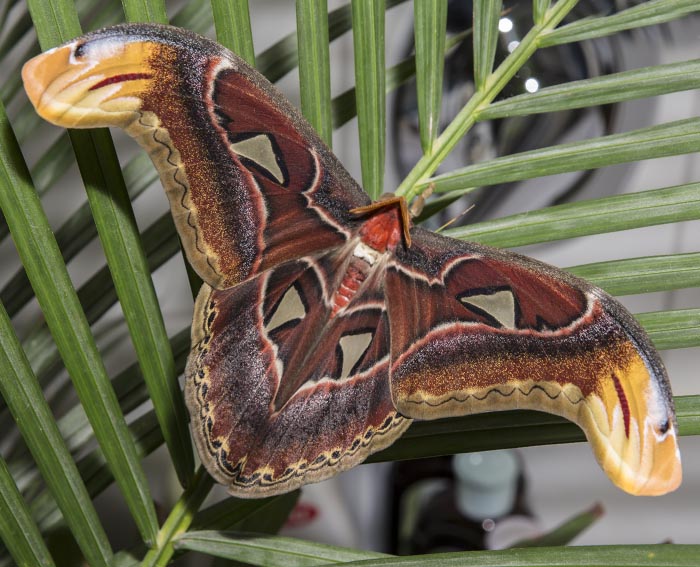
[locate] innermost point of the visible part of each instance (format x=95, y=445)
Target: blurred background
x=541, y=486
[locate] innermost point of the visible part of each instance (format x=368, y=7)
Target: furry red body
x=380, y=233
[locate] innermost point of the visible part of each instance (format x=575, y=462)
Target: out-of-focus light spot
x=505, y=25
x=532, y=85
x=512, y=45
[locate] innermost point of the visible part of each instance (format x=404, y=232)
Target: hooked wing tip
x=90, y=83
x=664, y=475
x=631, y=425
x=41, y=71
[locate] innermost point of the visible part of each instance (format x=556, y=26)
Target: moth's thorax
x=380, y=234
x=382, y=231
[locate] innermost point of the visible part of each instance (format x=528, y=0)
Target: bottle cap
x=486, y=483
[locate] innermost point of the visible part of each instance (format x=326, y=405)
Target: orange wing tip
x=101, y=86
x=658, y=473
x=39, y=73
x=645, y=463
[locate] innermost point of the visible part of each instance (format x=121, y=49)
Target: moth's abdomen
x=355, y=275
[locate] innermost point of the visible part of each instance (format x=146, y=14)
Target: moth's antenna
x=460, y=215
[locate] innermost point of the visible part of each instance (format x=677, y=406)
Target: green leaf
x=688, y=412
x=17, y=529
x=79, y=230
x=116, y=226
x=99, y=16
x=430, y=21
x=616, y=87
x=280, y=58
x=55, y=22
x=539, y=8
x=21, y=392
x=368, y=44
x=145, y=11
x=131, y=393
x=673, y=138
x=97, y=295
x=234, y=512
x=47, y=272
x=565, y=532
x=128, y=266
x=271, y=551
x=643, y=275
x=232, y=22
x=596, y=216
x=486, y=14
x=179, y=519
x=647, y=13
x=195, y=15
x=95, y=472
x=314, y=66
x=412, y=185
x=344, y=108
x=664, y=555
x=672, y=329
x=270, y=518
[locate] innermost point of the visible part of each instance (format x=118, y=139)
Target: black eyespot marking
x=664, y=427
x=79, y=50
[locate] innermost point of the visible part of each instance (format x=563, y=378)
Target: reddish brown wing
x=476, y=329
x=249, y=182
x=281, y=395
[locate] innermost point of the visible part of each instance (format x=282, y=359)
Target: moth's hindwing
x=280, y=397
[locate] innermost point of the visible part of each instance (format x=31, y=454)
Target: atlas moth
x=326, y=322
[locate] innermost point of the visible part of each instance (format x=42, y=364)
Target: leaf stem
x=179, y=519
x=494, y=84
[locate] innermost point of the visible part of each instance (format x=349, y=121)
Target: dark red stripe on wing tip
x=120, y=79
x=623, y=402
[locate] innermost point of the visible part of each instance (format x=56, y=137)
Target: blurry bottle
x=478, y=503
